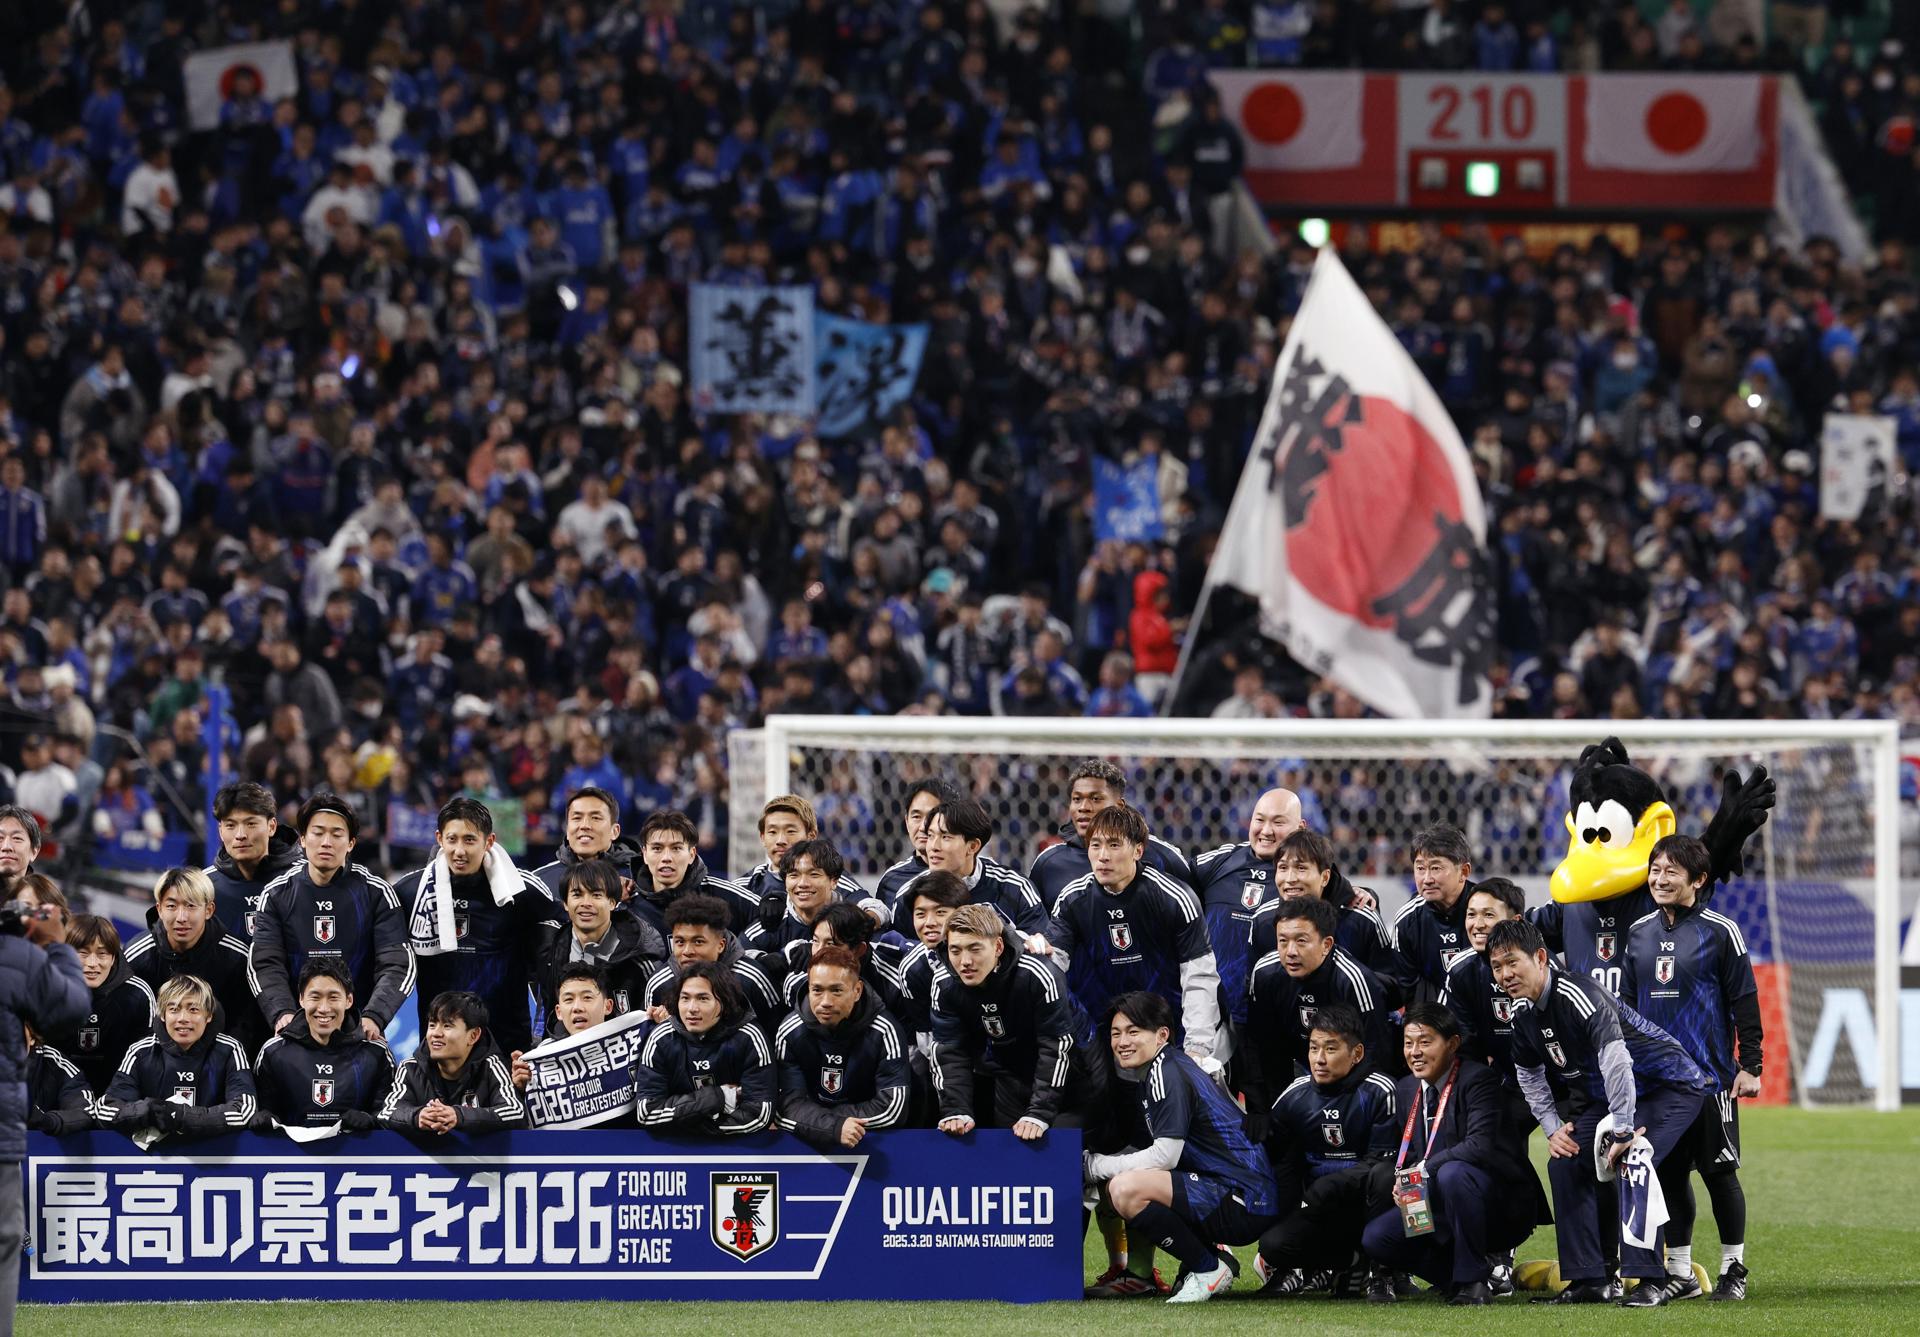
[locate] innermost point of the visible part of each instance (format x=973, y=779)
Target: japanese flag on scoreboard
x=209, y=76
x=1309, y=122
x=1357, y=523
x=1674, y=123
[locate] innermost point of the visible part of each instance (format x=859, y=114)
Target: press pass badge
x=1410, y=1196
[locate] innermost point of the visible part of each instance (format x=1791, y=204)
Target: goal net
x=1820, y=905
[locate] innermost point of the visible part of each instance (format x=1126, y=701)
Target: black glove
x=132, y=1116
x=40, y=1121
x=1258, y=1123
x=358, y=1121
x=166, y=1116
x=1744, y=807
x=773, y=907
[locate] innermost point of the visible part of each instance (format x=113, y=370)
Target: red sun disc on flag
x=1374, y=516
x=1676, y=122
x=228, y=75
x=1272, y=113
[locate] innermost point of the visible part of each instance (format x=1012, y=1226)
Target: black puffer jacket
x=46, y=989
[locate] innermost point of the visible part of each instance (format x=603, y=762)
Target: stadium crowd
x=372, y=404
x=1248, y=1047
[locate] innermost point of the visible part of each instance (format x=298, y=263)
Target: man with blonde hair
x=186, y=1077
x=186, y=937
x=1010, y=1042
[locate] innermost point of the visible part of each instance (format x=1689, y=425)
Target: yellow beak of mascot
x=1618, y=816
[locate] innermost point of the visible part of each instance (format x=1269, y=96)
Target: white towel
x=1643, y=1206
x=433, y=929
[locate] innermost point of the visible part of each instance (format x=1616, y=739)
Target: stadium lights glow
x=1315, y=231
x=351, y=366
x=1483, y=179
x=568, y=297
x=1754, y=401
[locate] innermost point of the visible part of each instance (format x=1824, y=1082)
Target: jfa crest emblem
x=745, y=1211
x=323, y=1091
x=1251, y=892
x=1121, y=935
x=1335, y=1134
x=182, y=1095
x=995, y=1027
x=832, y=1079
x=1603, y=946
x=460, y=926
x=323, y=928
x=1503, y=1010
x=1307, y=1014
x=1556, y=1053
x=89, y=1038
x=1663, y=970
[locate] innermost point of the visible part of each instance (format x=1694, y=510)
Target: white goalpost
x=1821, y=903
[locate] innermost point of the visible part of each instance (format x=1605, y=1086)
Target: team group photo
x=970, y=664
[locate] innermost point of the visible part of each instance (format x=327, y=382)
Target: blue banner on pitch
x=1126, y=500
x=623, y=1215
x=865, y=371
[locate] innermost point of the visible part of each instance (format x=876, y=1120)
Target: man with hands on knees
x=1583, y=1059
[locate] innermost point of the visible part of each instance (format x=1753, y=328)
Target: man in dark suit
x=1479, y=1195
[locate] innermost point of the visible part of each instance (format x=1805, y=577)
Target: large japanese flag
x=1357, y=523
x=1308, y=122
x=1674, y=123
x=210, y=74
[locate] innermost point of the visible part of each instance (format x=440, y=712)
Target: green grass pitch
x=1833, y=1241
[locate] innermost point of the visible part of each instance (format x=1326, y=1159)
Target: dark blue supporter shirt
x=1178, y=1099
x=1685, y=979
x=1329, y=1128
x=1574, y=1021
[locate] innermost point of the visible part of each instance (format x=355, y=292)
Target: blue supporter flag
x=752, y=348
x=864, y=371
x=1126, y=500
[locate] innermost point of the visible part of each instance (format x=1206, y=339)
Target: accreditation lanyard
x=1406, y=1135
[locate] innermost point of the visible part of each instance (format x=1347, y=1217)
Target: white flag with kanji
x=1358, y=523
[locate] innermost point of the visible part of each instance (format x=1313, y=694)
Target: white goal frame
x=1225, y=739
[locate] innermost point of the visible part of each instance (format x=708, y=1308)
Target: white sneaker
x=1203, y=1286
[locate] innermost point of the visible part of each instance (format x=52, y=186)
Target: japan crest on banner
x=323, y=928
x=1358, y=523
x=323, y=1091
x=745, y=1211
